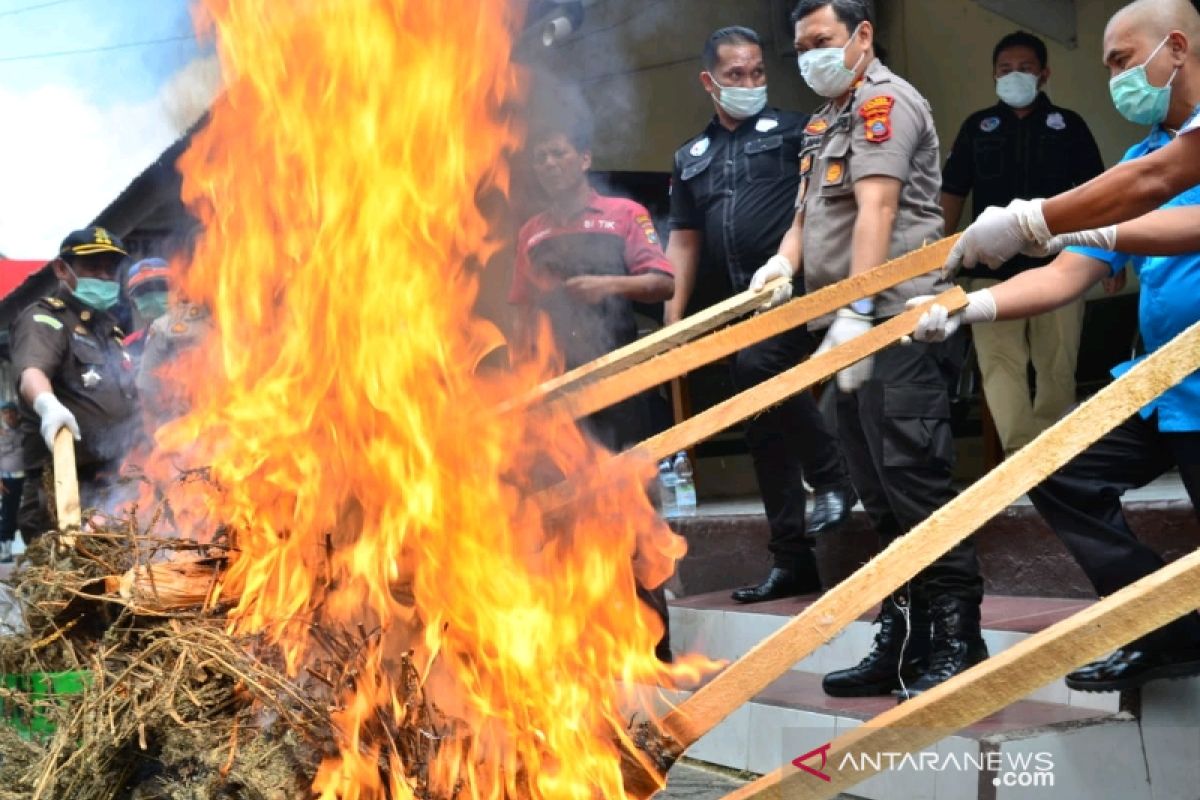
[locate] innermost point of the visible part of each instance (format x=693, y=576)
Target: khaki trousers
x=1005, y=349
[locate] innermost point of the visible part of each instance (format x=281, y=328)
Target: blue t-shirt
x=1169, y=302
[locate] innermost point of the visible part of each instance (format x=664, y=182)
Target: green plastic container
x=39, y=687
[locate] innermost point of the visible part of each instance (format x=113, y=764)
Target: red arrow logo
x=823, y=752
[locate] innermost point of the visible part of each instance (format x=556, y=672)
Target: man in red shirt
x=584, y=262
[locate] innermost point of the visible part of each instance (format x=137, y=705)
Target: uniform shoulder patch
x=46, y=319
x=989, y=124
x=1055, y=121
x=816, y=126
x=880, y=104
x=647, y=225
x=877, y=117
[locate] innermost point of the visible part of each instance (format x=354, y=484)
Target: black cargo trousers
x=789, y=443
x=895, y=432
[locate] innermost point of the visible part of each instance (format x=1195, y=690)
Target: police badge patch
x=877, y=118
x=700, y=147
x=989, y=124
x=647, y=227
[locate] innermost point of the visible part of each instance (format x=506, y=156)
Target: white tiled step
x=794, y=717
x=723, y=630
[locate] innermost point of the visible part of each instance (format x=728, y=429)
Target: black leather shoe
x=1129, y=669
x=897, y=653
x=955, y=644
x=780, y=583
x=831, y=508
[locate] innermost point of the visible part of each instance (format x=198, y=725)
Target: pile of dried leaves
x=174, y=706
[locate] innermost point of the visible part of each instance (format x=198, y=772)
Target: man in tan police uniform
x=869, y=192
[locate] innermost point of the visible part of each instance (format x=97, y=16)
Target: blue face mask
x=151, y=305
x=1136, y=98
x=97, y=293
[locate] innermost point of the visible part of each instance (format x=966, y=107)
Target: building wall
x=637, y=66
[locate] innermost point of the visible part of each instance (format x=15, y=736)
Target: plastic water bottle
x=685, y=486
x=666, y=488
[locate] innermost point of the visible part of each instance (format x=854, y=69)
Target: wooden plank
x=582, y=400
x=1139, y=608
x=646, y=347
x=909, y=554
x=758, y=398
x=66, y=486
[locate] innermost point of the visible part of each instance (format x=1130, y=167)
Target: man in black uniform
x=73, y=372
x=732, y=195
x=1022, y=147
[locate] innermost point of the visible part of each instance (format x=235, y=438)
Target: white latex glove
x=998, y=235
x=777, y=266
x=848, y=325
x=54, y=416
x=1103, y=238
x=938, y=324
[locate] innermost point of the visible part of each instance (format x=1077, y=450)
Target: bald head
x=1163, y=36
x=1152, y=21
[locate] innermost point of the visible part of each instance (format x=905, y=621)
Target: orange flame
x=374, y=493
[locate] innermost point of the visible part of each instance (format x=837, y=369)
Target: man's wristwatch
x=865, y=306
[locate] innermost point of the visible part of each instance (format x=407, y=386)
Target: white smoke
x=66, y=154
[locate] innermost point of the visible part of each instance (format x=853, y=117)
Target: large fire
x=374, y=495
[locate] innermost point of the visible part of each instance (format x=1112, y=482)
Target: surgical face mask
x=825, y=70
x=150, y=305
x=97, y=293
x=1017, y=89
x=740, y=102
x=1136, y=98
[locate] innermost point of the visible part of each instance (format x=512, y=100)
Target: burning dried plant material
x=387, y=541
x=171, y=705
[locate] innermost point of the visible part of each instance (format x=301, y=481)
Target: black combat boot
x=955, y=643
x=891, y=657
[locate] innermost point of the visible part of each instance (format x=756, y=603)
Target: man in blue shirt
x=1081, y=502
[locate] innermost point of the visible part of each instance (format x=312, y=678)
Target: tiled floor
x=802, y=690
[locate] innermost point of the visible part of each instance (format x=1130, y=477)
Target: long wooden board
x=761, y=397
x=584, y=399
x=648, y=346
x=909, y=554
x=66, y=487
x=1139, y=608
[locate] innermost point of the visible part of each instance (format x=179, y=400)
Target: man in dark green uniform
x=73, y=372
